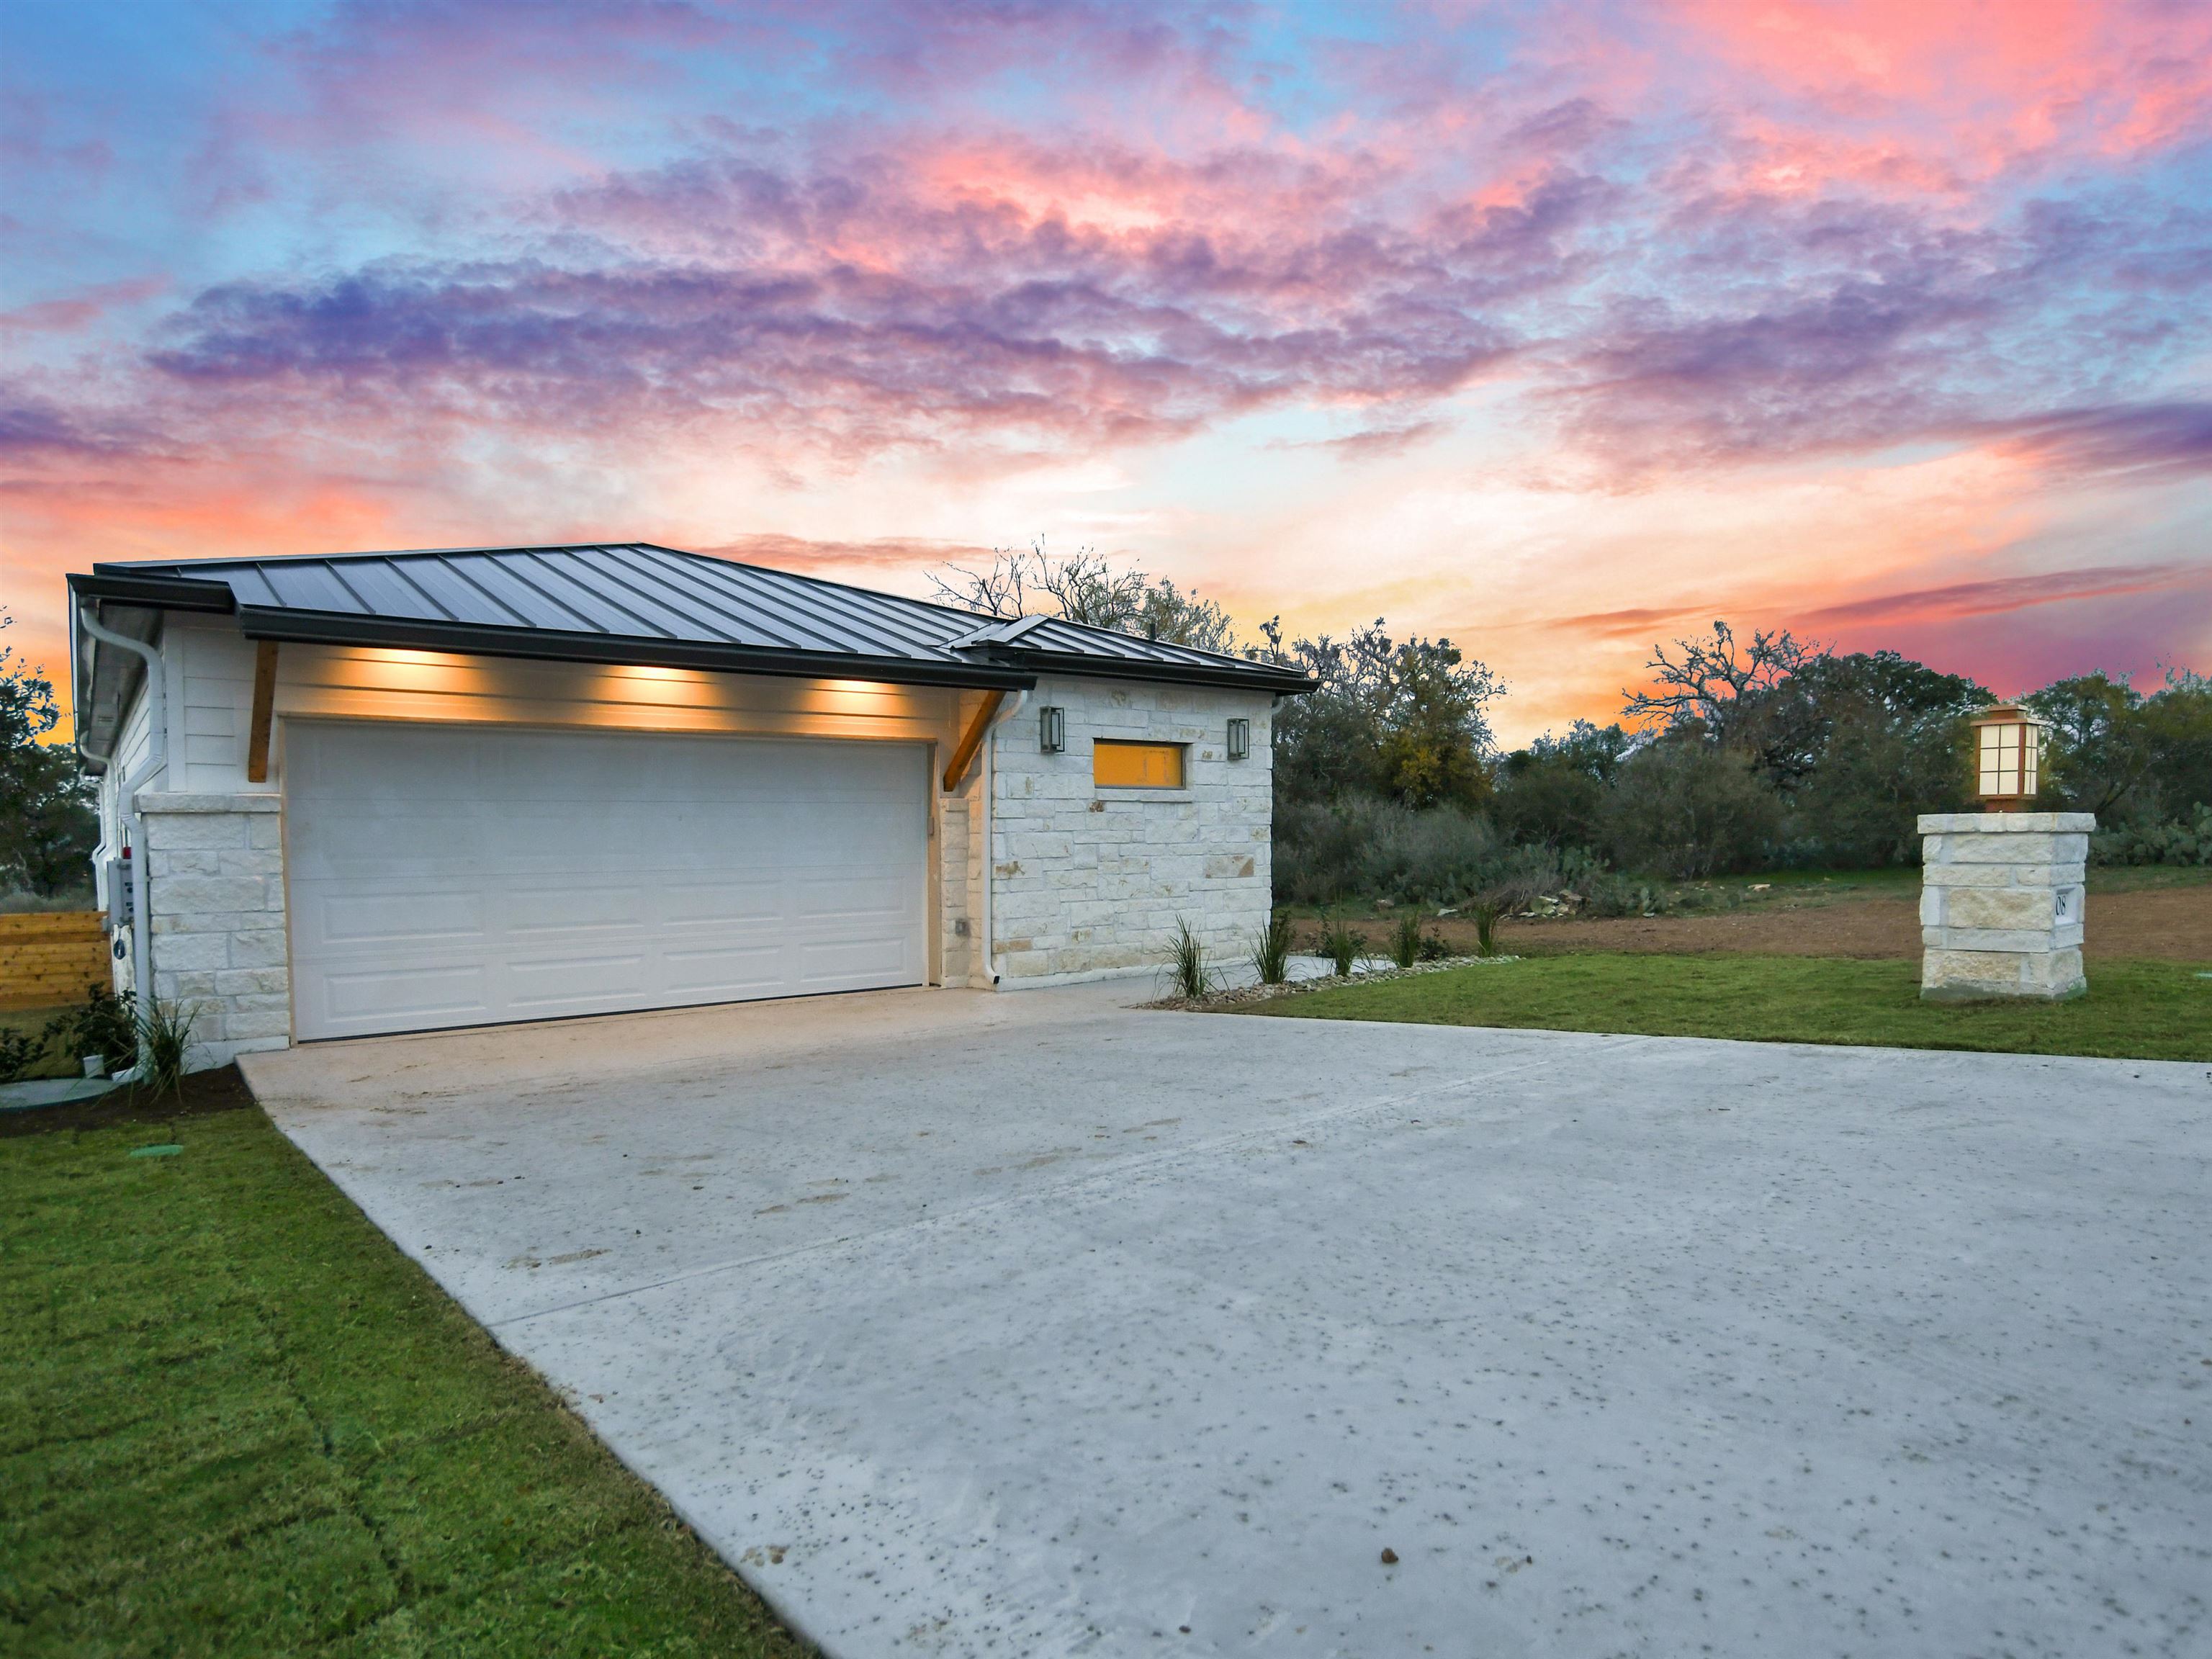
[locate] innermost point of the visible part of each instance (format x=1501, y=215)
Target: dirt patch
x=2172, y=924
x=204, y=1092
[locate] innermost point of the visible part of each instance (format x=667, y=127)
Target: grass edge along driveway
x=234, y=1418
x=2133, y=1010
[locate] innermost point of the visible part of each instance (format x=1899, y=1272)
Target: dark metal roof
x=632, y=602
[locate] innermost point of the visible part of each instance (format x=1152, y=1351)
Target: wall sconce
x=1240, y=740
x=1052, y=730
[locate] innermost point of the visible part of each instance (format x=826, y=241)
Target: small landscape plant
x=1342, y=943
x=1405, y=939
x=1187, y=963
x=1499, y=899
x=1271, y=949
x=105, y=1025
x=18, y=1051
x=164, y=1042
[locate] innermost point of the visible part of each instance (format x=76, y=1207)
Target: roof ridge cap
x=1000, y=630
x=1172, y=644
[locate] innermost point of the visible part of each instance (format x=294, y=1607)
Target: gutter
x=1255, y=677
x=127, y=788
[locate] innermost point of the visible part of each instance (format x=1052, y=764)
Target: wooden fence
x=49, y=958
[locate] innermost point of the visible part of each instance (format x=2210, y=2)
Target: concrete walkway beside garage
x=1035, y=1324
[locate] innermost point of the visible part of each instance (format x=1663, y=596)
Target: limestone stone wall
x=2000, y=903
x=215, y=878
x=1089, y=881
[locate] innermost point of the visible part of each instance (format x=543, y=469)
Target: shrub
x=1318, y=849
x=1687, y=810
x=106, y=1025
x=18, y=1051
x=165, y=1043
x=1342, y=943
x=1502, y=897
x=1405, y=940
x=1187, y=963
x=1436, y=857
x=2182, y=843
x=1372, y=848
x=1271, y=949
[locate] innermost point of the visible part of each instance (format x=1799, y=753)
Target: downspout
x=990, y=785
x=126, y=792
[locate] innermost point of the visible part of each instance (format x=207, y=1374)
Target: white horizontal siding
x=216, y=705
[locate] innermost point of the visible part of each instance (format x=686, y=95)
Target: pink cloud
x=82, y=309
x=2000, y=595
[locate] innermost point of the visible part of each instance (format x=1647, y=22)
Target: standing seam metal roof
x=610, y=601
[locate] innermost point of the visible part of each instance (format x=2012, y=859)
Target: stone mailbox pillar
x=2000, y=899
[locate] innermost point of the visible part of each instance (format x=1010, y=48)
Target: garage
x=460, y=875
x=348, y=794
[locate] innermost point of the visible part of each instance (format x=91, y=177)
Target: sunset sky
x=1556, y=329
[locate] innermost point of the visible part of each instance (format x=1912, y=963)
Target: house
x=392, y=792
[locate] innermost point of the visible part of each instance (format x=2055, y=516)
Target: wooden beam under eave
x=265, y=706
x=971, y=740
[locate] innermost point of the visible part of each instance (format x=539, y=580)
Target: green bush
x=19, y=1052
x=2188, y=843
x=1366, y=848
x=1687, y=810
x=106, y=1025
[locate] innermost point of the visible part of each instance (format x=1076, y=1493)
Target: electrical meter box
x=120, y=897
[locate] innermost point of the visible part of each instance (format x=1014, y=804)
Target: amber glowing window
x=1136, y=765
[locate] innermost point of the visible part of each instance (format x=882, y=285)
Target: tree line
x=1741, y=754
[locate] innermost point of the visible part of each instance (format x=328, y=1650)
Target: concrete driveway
x=1035, y=1325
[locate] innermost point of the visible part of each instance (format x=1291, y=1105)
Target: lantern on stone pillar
x=2008, y=744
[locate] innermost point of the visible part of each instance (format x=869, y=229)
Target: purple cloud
x=2146, y=441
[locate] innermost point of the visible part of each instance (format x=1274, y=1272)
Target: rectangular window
x=2010, y=754
x=1136, y=765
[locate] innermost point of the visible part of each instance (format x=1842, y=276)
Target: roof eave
x=338, y=627
x=1255, y=677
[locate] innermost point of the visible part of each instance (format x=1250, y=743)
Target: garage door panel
x=860, y=895
x=398, y=916
x=576, y=984
x=831, y=963
x=405, y=999
x=461, y=875
x=536, y=908
x=734, y=974
x=730, y=904
x=360, y=841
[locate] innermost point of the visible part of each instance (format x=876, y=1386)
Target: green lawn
x=234, y=1419
x=2134, y=1010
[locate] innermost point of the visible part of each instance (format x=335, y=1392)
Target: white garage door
x=458, y=875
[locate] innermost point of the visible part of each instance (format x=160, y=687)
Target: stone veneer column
x=2001, y=901
x=215, y=874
